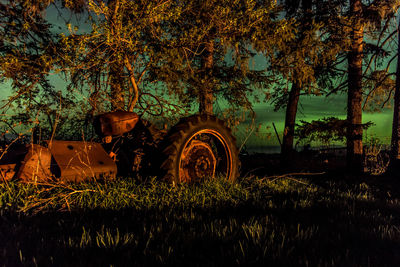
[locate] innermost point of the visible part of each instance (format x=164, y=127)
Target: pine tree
x=395, y=141
x=28, y=55
x=361, y=17
x=303, y=63
x=354, y=100
x=113, y=59
x=197, y=51
x=213, y=43
x=26, y=48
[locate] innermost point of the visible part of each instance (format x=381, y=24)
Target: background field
x=323, y=220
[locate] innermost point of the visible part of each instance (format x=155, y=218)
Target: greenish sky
x=313, y=108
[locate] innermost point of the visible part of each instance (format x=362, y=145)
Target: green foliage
x=325, y=131
x=379, y=86
x=376, y=20
x=26, y=51
x=236, y=31
x=306, y=60
x=26, y=47
x=110, y=62
x=28, y=56
x=314, y=58
x=153, y=47
x=259, y=221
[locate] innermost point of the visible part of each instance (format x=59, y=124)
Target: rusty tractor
x=198, y=147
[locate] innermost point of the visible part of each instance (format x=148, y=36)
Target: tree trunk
x=116, y=81
x=206, y=98
x=290, y=120
x=395, y=142
x=354, y=99
x=116, y=68
x=287, y=150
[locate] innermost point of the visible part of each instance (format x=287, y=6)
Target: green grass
x=314, y=221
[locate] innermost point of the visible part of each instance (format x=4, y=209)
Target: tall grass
x=275, y=222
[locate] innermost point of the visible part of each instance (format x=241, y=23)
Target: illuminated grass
x=304, y=222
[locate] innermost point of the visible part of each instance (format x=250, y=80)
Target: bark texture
x=116, y=70
x=395, y=142
x=287, y=150
x=116, y=81
x=206, y=98
x=290, y=120
x=354, y=100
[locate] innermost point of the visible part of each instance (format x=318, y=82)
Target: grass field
x=323, y=220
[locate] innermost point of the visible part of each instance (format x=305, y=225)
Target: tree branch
x=134, y=90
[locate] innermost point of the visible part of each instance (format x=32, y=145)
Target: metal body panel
x=36, y=165
x=115, y=123
x=78, y=160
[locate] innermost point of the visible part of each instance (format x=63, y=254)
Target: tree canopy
x=174, y=57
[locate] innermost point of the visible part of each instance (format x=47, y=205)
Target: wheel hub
x=197, y=162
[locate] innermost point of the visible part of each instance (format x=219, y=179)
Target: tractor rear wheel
x=200, y=147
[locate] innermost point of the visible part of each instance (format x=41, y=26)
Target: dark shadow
x=274, y=229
